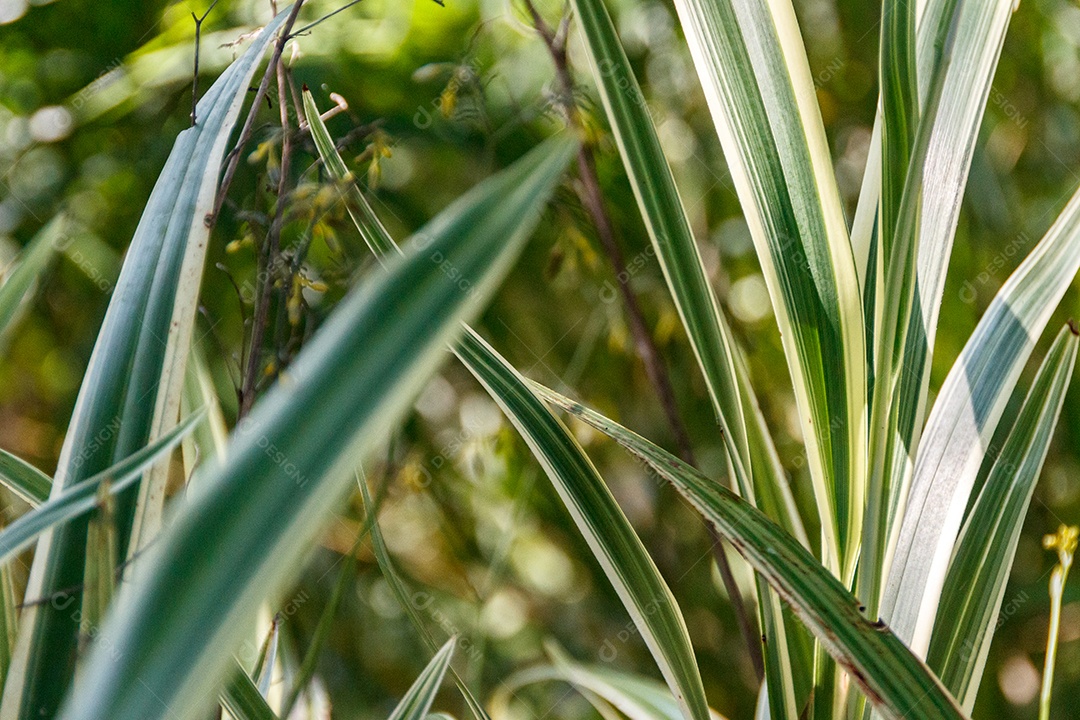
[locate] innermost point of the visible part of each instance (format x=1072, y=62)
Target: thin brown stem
x=249, y=122
x=592, y=198
x=271, y=247
x=195, y=74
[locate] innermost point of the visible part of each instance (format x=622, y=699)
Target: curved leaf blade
x=245, y=533
x=598, y=517
x=116, y=412
x=964, y=418
x=896, y=682
x=975, y=586
x=752, y=65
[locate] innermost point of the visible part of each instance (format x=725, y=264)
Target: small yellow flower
x=1064, y=542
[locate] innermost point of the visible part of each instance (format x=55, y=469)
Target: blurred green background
x=92, y=95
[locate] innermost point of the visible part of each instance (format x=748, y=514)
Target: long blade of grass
x=610, y=536
x=964, y=418
x=669, y=229
x=31, y=263
x=242, y=698
x=119, y=407
x=635, y=696
x=23, y=479
x=752, y=65
x=616, y=546
x=405, y=598
x=752, y=457
x=81, y=498
x=899, y=111
x=244, y=535
x=975, y=586
x=896, y=681
x=417, y=701
x=969, y=37
x=932, y=19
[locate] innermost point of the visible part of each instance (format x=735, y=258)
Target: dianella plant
x=878, y=599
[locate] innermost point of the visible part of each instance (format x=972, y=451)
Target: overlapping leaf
x=964, y=418
x=128, y=378
x=755, y=469
x=896, y=682
x=959, y=45
x=975, y=585
x=752, y=65
x=246, y=532
x=617, y=548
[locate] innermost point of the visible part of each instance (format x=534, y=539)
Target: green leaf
x=635, y=696
x=605, y=528
x=975, y=586
x=966, y=38
x=896, y=682
x=23, y=479
x=365, y=219
x=755, y=467
x=243, y=700
x=128, y=392
x=405, y=598
x=965, y=416
x=417, y=702
x=29, y=267
x=247, y=530
x=752, y=65
x=81, y=498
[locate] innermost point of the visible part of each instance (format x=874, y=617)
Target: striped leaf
x=963, y=420
x=975, y=586
x=605, y=528
x=897, y=683
x=752, y=65
x=81, y=498
x=958, y=58
x=128, y=391
x=755, y=468
x=417, y=701
x=245, y=534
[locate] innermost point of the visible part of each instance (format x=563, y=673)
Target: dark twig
x=326, y=17
x=270, y=252
x=195, y=75
x=592, y=197
x=249, y=123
